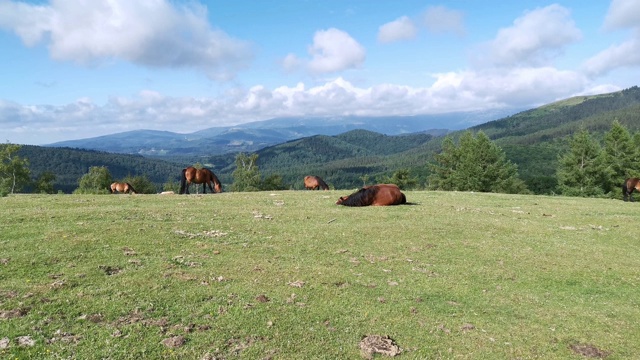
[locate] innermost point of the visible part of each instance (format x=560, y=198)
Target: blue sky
x=73, y=69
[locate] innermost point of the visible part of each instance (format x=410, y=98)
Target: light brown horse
x=628, y=186
x=199, y=176
x=121, y=187
x=312, y=182
x=375, y=195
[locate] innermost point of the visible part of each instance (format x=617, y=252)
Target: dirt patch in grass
x=13, y=313
x=590, y=351
x=376, y=344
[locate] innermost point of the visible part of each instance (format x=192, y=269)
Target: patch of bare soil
x=174, y=342
x=590, y=351
x=377, y=344
x=110, y=270
x=14, y=313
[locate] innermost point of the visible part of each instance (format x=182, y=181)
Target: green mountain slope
x=69, y=165
x=531, y=139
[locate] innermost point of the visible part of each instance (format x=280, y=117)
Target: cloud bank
x=153, y=33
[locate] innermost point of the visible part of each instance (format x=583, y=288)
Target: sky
x=73, y=69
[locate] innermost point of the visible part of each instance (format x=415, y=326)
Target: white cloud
x=454, y=91
x=291, y=62
x=155, y=33
x=534, y=38
x=400, y=29
x=334, y=50
x=623, y=14
x=626, y=54
x=439, y=19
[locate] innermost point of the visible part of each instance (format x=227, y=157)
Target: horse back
x=388, y=194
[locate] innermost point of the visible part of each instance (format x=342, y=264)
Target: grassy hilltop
x=289, y=274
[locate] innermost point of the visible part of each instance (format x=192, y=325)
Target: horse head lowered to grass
x=375, y=195
x=312, y=182
x=121, y=187
x=202, y=176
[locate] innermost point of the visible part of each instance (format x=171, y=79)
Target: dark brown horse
x=121, y=187
x=199, y=176
x=315, y=183
x=628, y=186
x=376, y=195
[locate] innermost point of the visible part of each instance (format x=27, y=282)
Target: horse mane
x=131, y=188
x=362, y=197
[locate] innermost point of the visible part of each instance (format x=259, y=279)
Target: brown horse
x=628, y=186
x=121, y=187
x=315, y=183
x=376, y=195
x=199, y=176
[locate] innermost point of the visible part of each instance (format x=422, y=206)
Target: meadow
x=291, y=275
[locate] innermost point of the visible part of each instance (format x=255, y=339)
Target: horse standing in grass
x=118, y=187
x=375, y=195
x=315, y=183
x=628, y=186
x=199, y=176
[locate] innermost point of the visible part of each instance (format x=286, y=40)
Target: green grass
x=291, y=275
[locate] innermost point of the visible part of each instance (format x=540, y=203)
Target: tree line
x=590, y=166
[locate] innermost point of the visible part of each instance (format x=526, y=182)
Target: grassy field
x=290, y=275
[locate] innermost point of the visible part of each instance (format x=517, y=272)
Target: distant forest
x=533, y=140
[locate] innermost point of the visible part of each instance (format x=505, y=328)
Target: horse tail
x=183, y=181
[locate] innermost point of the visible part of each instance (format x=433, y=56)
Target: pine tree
x=444, y=166
x=581, y=170
x=619, y=157
x=477, y=164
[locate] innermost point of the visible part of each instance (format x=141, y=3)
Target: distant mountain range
x=256, y=135
x=533, y=139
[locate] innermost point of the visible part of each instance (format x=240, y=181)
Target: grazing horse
x=199, y=176
x=315, y=183
x=376, y=195
x=121, y=187
x=628, y=186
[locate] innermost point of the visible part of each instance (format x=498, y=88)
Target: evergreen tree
x=96, y=181
x=476, y=164
x=171, y=185
x=142, y=184
x=619, y=157
x=444, y=166
x=44, y=183
x=14, y=170
x=272, y=182
x=581, y=170
x=402, y=178
x=246, y=176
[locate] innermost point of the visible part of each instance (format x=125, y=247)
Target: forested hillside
x=69, y=165
x=532, y=139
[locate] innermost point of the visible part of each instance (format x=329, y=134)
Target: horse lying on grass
x=375, y=195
